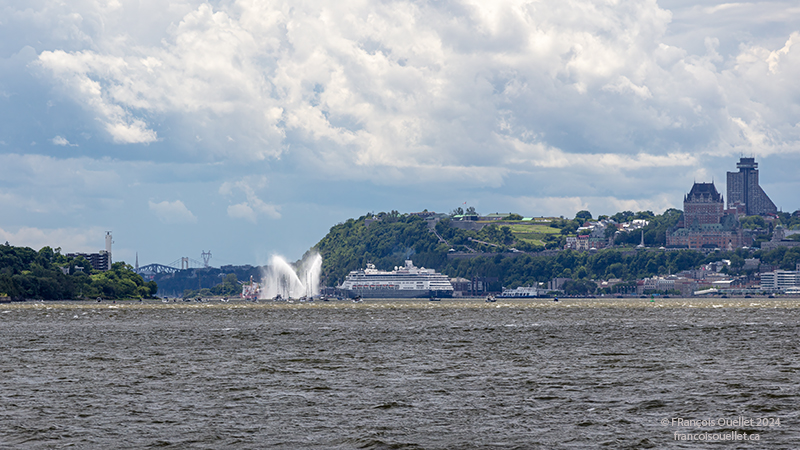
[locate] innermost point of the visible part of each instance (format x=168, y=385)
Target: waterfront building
x=745, y=194
x=780, y=279
x=682, y=285
x=556, y=284
x=461, y=286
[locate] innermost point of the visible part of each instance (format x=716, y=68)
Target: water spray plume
x=280, y=278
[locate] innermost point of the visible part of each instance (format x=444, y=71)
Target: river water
x=591, y=373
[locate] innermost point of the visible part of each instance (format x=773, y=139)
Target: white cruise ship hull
x=403, y=282
x=397, y=293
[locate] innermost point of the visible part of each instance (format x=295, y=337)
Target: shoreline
x=470, y=303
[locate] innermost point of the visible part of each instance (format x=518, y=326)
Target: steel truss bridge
x=173, y=267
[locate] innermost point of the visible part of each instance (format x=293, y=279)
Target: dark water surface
x=397, y=375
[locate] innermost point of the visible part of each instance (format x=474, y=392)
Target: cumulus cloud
x=242, y=211
x=581, y=104
x=545, y=107
x=253, y=206
x=172, y=212
x=62, y=141
x=569, y=206
x=68, y=239
x=80, y=75
x=45, y=184
x=412, y=86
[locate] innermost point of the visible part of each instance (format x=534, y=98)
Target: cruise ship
x=403, y=282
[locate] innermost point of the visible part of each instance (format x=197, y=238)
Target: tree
x=26, y=274
x=471, y=211
x=583, y=216
x=457, y=212
x=513, y=216
x=753, y=222
x=622, y=217
x=579, y=287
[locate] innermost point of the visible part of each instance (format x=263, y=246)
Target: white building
x=780, y=279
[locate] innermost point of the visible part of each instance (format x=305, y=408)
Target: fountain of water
x=281, y=279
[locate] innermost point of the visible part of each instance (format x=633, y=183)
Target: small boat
x=490, y=299
x=357, y=299
x=434, y=299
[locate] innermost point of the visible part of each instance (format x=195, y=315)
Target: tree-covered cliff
x=28, y=274
x=386, y=239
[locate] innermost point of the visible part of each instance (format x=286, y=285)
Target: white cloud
x=47, y=185
x=401, y=85
x=79, y=73
x=539, y=155
x=68, y=239
x=569, y=206
x=172, y=212
x=62, y=141
x=253, y=206
x=581, y=104
x=242, y=211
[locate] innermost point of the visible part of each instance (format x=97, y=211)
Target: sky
x=250, y=128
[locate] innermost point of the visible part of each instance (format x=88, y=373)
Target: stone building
x=703, y=205
x=704, y=222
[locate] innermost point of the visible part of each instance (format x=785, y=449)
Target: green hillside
x=28, y=274
x=387, y=239
x=386, y=243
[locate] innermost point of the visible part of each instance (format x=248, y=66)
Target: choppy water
x=411, y=374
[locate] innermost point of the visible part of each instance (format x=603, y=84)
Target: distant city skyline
x=250, y=129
